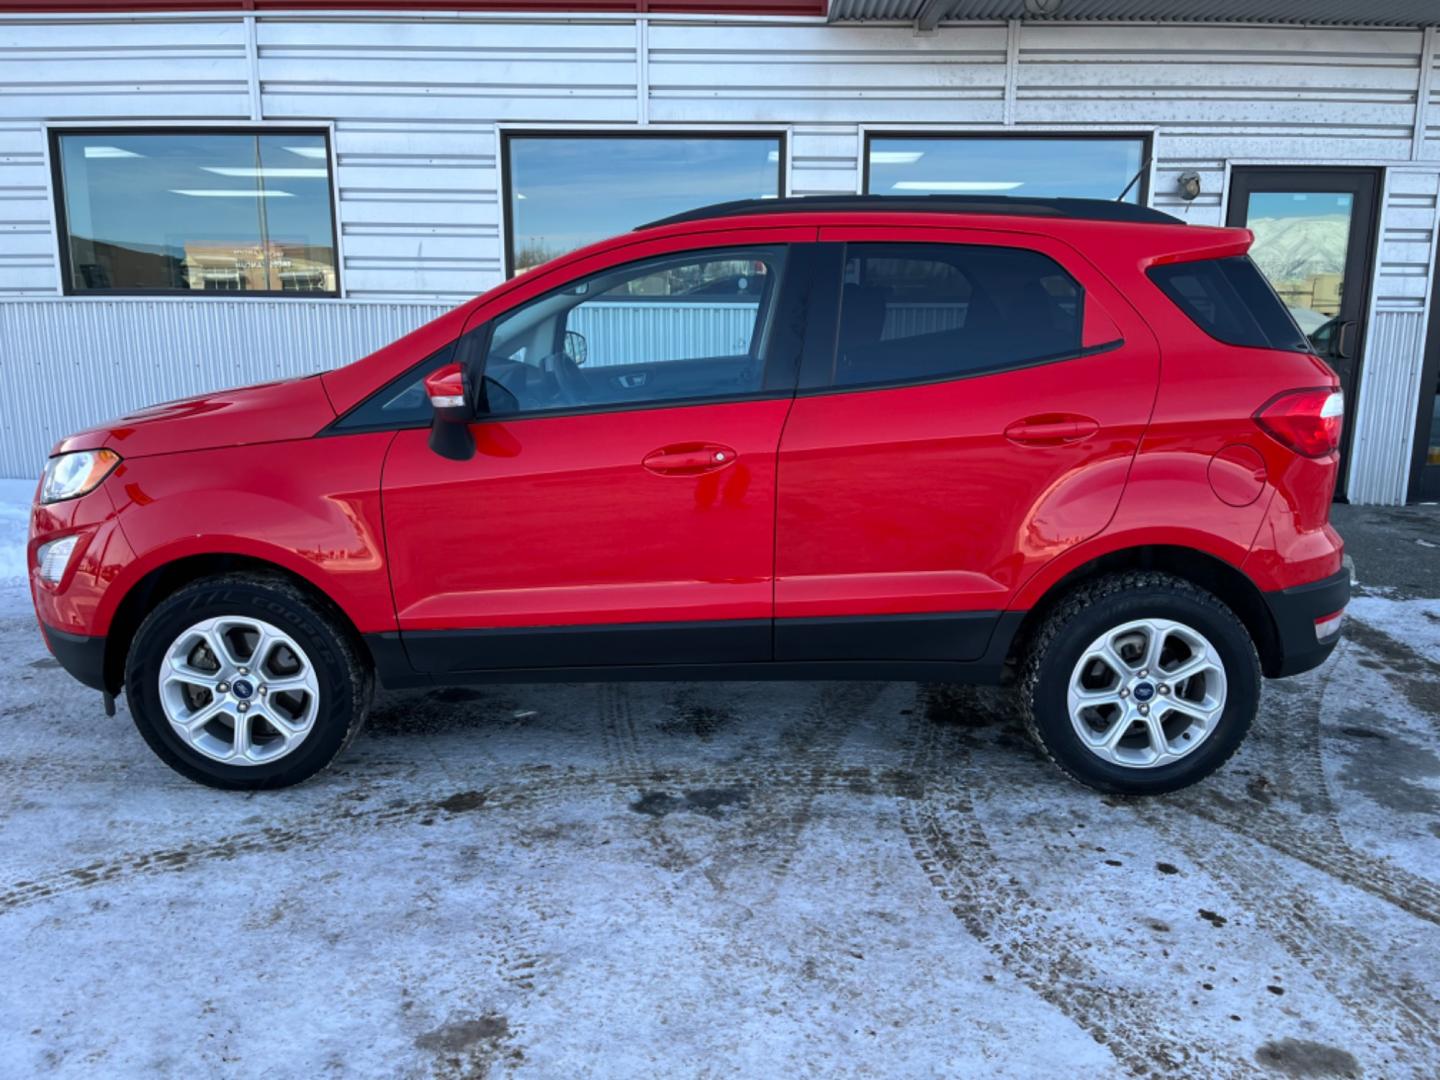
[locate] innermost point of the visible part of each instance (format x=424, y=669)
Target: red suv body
x=842, y=438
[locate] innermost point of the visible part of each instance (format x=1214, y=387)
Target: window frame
x=1146, y=138
x=507, y=137
x=55, y=132
x=817, y=375
x=803, y=285
x=771, y=311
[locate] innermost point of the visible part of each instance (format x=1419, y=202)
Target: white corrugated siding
x=416, y=103
x=70, y=364
x=1384, y=415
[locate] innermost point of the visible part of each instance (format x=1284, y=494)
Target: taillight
x=1307, y=421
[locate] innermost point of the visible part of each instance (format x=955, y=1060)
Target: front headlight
x=69, y=476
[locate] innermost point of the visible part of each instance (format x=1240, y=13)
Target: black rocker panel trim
x=727, y=641
x=943, y=636
x=885, y=646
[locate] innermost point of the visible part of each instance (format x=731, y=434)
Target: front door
x=619, y=507
x=1315, y=241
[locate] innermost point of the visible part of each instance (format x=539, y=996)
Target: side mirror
x=575, y=346
x=450, y=430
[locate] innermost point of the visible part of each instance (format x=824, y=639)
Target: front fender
x=310, y=507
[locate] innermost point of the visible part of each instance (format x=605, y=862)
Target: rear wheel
x=243, y=681
x=1140, y=683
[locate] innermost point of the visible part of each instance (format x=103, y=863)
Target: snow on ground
x=15, y=497
x=867, y=879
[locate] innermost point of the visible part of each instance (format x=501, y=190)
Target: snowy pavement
x=875, y=879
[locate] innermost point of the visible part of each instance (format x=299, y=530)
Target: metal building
x=198, y=193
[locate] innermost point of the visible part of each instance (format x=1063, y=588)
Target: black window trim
x=817, y=377
x=53, y=135
x=509, y=135
x=1146, y=138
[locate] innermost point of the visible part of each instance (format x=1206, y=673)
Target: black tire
x=345, y=679
x=1085, y=614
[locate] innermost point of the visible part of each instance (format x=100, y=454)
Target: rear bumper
x=1295, y=612
x=79, y=654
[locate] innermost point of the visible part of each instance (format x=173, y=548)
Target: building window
x=565, y=191
x=1090, y=167
x=195, y=211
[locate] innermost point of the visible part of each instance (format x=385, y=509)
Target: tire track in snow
x=951, y=846
x=1336, y=955
x=327, y=825
x=1315, y=837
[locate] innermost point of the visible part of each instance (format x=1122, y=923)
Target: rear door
x=976, y=414
x=619, y=508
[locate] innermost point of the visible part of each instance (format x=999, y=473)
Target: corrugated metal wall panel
x=1314, y=12
x=118, y=68
x=807, y=74
x=70, y=364
x=27, y=245
x=415, y=103
x=1228, y=91
x=1380, y=459
x=415, y=108
x=1384, y=415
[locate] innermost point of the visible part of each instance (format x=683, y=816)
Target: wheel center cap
x=1144, y=691
x=243, y=690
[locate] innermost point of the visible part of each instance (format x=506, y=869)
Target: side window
x=402, y=403
x=1232, y=302
x=913, y=312
x=680, y=327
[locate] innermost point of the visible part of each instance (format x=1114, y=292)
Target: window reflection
x=567, y=191
x=1090, y=168
x=1301, y=243
x=198, y=211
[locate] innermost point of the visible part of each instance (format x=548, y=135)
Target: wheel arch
x=1201, y=568
x=164, y=580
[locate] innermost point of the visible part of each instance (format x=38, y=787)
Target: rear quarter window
x=1231, y=301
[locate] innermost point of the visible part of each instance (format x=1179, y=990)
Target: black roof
x=1077, y=209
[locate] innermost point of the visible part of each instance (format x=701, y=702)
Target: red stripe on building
x=573, y=7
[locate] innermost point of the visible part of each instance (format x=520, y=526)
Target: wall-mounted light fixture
x=1189, y=185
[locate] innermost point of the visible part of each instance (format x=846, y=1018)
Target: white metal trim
x=1422, y=92
x=1012, y=70
x=642, y=71
x=252, y=68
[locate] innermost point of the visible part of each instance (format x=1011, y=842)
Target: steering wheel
x=573, y=389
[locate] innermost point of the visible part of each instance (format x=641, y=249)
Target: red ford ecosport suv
x=1073, y=443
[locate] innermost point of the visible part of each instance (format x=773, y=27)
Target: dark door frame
x=1360, y=258
x=1425, y=479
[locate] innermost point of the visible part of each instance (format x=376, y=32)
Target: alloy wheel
x=239, y=690
x=1147, y=693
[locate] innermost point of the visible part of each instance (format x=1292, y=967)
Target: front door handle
x=1052, y=429
x=689, y=459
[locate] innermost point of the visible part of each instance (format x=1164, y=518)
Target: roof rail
x=1075, y=209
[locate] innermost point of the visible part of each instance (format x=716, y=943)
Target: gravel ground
x=864, y=879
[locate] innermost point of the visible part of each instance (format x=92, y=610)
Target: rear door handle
x=1052, y=429
x=688, y=459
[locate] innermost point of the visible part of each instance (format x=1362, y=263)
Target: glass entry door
x=1315, y=241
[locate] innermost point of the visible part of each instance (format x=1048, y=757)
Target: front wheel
x=1140, y=683
x=244, y=682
